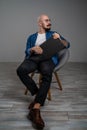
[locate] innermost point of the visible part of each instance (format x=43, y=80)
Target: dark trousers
x=45, y=68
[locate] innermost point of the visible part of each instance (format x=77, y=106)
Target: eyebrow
x=47, y=19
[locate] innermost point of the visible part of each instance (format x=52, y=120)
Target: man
x=44, y=67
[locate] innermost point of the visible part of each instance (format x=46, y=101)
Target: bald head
x=41, y=17
x=44, y=22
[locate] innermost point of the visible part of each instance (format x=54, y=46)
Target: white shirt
x=40, y=39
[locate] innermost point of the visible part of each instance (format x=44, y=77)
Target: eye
x=47, y=20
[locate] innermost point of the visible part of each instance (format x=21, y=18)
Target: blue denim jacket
x=32, y=40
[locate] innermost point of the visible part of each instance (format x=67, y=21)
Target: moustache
x=49, y=24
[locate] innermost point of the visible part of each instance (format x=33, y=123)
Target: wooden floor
x=66, y=111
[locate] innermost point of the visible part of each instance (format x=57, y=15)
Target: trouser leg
x=23, y=71
x=46, y=69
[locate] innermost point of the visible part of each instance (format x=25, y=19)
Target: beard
x=47, y=29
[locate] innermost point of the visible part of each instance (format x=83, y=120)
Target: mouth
x=48, y=25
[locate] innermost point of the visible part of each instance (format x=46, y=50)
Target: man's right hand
x=36, y=49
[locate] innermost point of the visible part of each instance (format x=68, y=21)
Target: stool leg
x=49, y=95
x=58, y=80
x=26, y=91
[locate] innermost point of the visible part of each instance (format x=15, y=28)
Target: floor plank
x=66, y=111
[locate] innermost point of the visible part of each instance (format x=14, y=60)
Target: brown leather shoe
x=35, y=117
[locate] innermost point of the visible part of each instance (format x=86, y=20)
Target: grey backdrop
x=18, y=19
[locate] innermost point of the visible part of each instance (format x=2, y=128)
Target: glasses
x=47, y=20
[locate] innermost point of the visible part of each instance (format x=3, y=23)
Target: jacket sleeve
x=68, y=43
x=28, y=46
x=62, y=38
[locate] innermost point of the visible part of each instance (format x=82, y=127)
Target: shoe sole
x=33, y=124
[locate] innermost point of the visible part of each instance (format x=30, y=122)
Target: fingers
x=37, y=50
x=56, y=35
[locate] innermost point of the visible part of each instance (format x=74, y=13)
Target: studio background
x=18, y=19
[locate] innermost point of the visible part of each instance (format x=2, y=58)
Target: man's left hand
x=64, y=42
x=56, y=35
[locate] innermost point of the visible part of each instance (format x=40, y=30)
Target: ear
x=40, y=24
